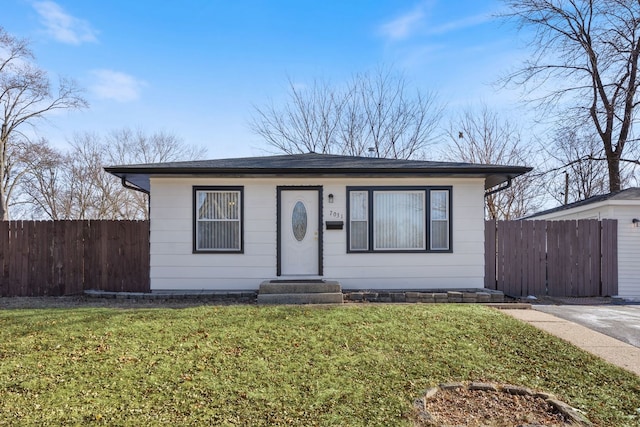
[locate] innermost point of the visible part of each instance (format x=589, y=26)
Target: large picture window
x=399, y=219
x=217, y=219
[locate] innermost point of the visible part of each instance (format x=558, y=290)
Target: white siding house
x=623, y=206
x=367, y=223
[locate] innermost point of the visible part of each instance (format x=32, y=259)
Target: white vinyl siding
x=218, y=225
x=174, y=265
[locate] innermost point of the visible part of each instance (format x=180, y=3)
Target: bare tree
x=399, y=122
x=74, y=185
x=12, y=170
x=68, y=185
x=95, y=194
x=44, y=184
x=484, y=138
x=574, y=167
x=375, y=112
x=26, y=95
x=308, y=122
x=586, y=55
x=127, y=146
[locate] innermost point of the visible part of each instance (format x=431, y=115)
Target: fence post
x=490, y=256
x=609, y=259
x=4, y=258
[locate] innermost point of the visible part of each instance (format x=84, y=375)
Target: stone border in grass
x=572, y=415
x=426, y=296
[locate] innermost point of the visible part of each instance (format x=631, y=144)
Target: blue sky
x=196, y=68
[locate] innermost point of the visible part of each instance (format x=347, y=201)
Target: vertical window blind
x=218, y=222
x=359, y=227
x=399, y=220
x=439, y=219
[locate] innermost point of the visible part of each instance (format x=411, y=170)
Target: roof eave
x=512, y=171
x=139, y=176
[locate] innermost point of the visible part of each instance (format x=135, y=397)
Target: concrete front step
x=301, y=298
x=300, y=292
x=299, y=287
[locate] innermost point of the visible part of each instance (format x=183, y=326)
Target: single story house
x=625, y=207
x=369, y=223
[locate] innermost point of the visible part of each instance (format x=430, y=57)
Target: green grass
x=248, y=365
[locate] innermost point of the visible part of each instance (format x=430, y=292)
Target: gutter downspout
x=504, y=187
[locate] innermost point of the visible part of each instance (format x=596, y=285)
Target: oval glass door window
x=299, y=221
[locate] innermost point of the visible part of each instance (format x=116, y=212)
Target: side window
x=439, y=216
x=359, y=220
x=217, y=219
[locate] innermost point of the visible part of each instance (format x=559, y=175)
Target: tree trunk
x=613, y=163
x=4, y=212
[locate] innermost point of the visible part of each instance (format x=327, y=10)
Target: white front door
x=299, y=239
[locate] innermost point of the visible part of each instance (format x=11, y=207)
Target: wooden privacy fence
x=40, y=258
x=556, y=258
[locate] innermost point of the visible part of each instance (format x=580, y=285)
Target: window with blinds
x=397, y=219
x=439, y=219
x=359, y=220
x=218, y=219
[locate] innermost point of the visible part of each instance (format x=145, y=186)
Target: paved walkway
x=610, y=349
x=621, y=322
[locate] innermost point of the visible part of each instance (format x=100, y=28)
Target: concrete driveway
x=618, y=321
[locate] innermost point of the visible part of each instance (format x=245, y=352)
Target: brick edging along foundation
x=354, y=296
x=463, y=296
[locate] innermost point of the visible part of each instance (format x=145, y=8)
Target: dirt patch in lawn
x=482, y=404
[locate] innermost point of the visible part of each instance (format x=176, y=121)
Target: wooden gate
x=556, y=258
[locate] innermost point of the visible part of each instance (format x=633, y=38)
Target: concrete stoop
x=300, y=292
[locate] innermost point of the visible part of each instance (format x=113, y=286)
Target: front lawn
x=248, y=365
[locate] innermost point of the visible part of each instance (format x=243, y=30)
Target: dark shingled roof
x=628, y=194
x=315, y=164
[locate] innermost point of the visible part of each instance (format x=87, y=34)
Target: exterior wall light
x=330, y=198
x=635, y=222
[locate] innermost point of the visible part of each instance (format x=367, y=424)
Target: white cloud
x=117, y=86
x=62, y=26
x=418, y=22
x=403, y=26
x=469, y=21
